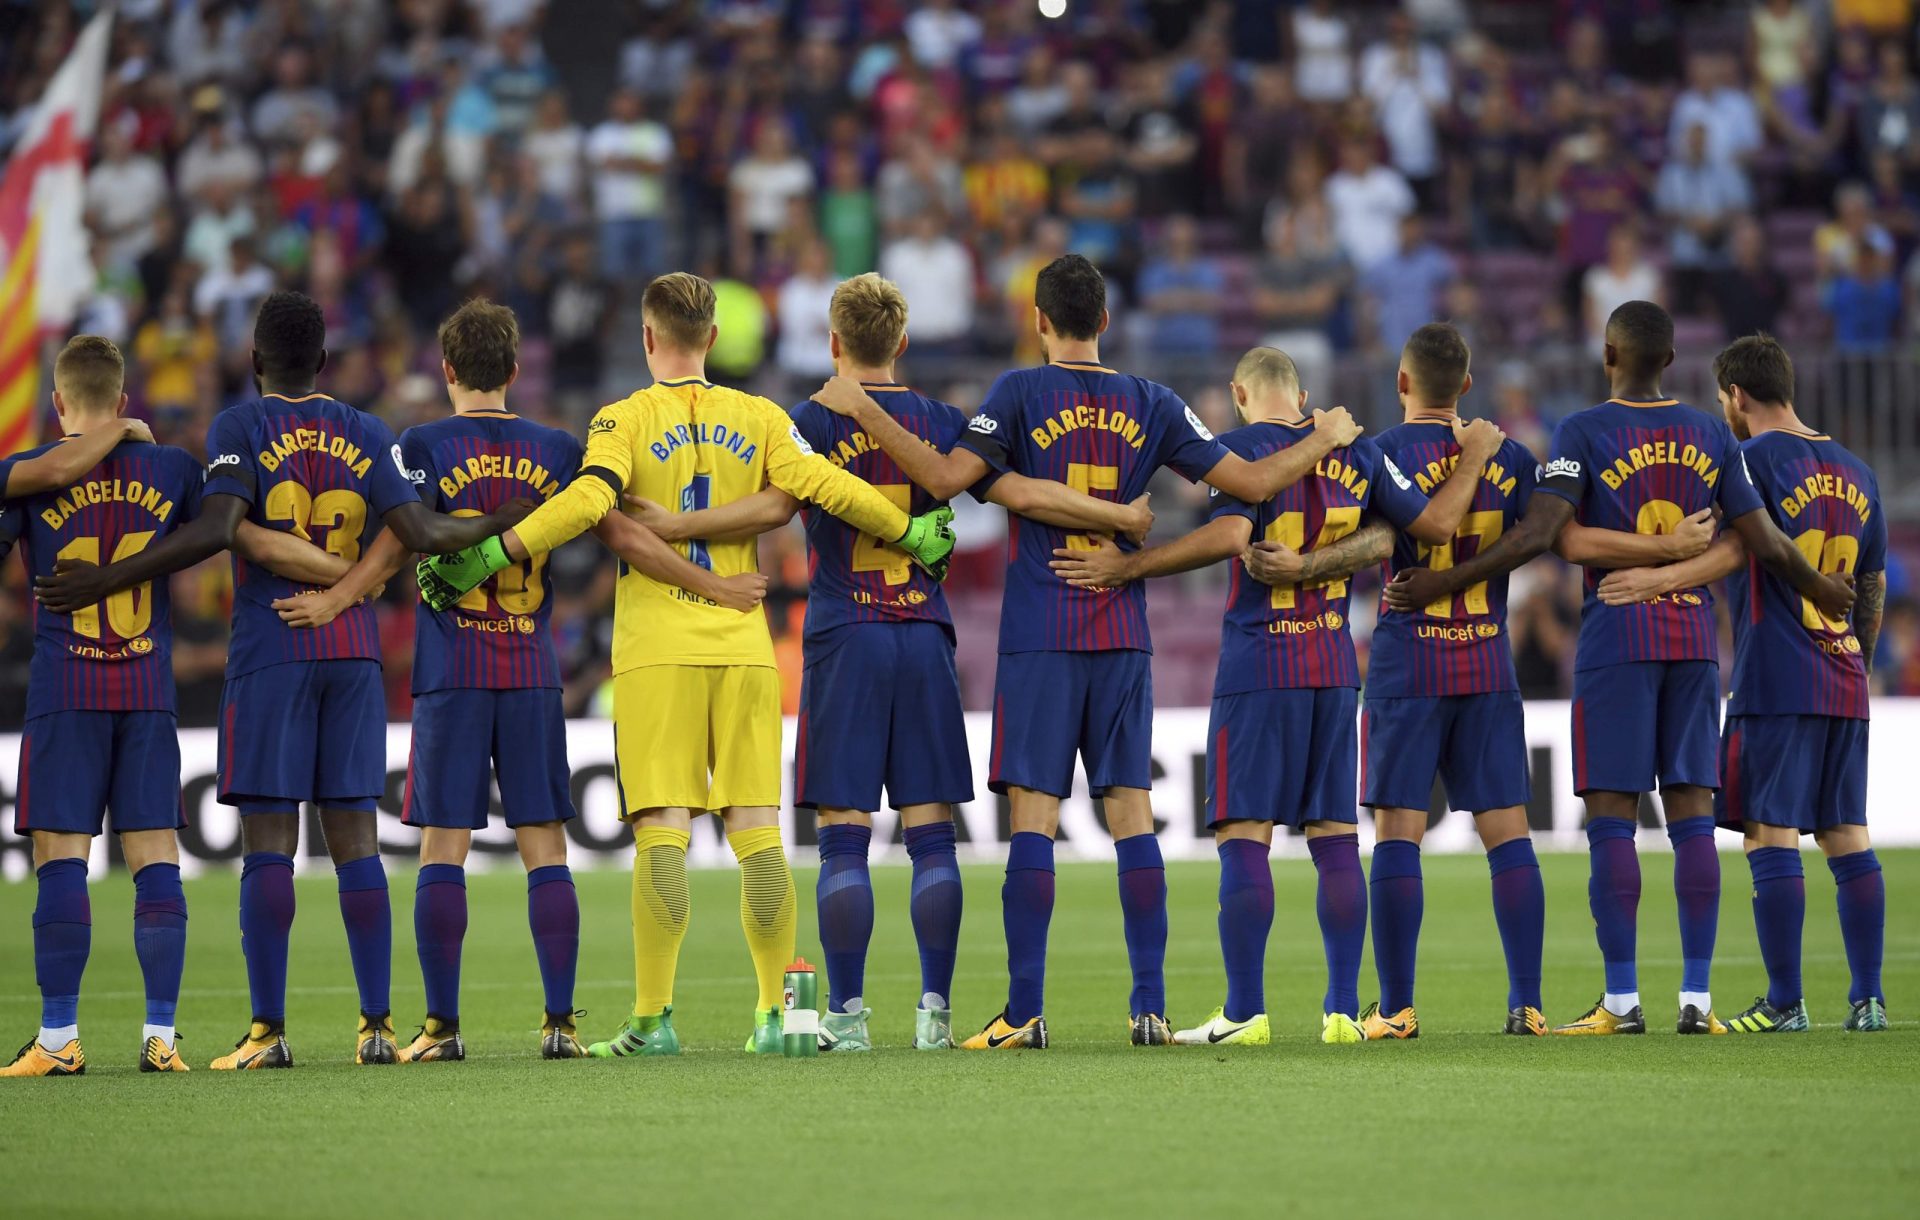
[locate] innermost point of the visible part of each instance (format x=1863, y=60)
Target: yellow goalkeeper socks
x=767, y=908
x=659, y=914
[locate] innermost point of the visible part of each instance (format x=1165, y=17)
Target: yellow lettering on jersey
x=1659, y=453
x=106, y=491
x=536, y=477
x=1429, y=477
x=1086, y=415
x=314, y=440
x=1821, y=484
x=1334, y=469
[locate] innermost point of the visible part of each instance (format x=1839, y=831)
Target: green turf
x=1461, y=1122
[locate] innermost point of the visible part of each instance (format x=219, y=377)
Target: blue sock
x=937, y=901
x=1342, y=906
x=1613, y=895
x=1861, y=892
x=62, y=938
x=844, y=898
x=1399, y=901
x=1026, y=908
x=160, y=937
x=266, y=919
x=1143, y=907
x=1779, y=915
x=369, y=918
x=553, y=914
x=1696, y=890
x=1520, y=910
x=1246, y=917
x=439, y=932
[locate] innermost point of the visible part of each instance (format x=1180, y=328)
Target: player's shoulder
x=1258, y=439
x=27, y=455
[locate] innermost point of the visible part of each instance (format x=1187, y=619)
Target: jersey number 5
x=1087, y=479
x=872, y=555
x=130, y=611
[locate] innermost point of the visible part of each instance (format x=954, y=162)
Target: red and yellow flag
x=45, y=270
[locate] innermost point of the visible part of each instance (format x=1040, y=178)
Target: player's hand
x=742, y=592
x=1339, y=425
x=655, y=517
x=1479, y=439
x=1835, y=598
x=1272, y=563
x=1692, y=536
x=1631, y=586
x=311, y=609
x=1415, y=589
x=842, y=396
x=1143, y=514
x=929, y=539
x=512, y=513
x=445, y=579
x=1106, y=566
x=74, y=585
x=136, y=430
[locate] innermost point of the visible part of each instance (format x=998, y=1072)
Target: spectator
x=629, y=153
x=1749, y=291
x=1181, y=292
x=1323, y=56
x=849, y=221
x=430, y=234
x=125, y=190
x=515, y=76
x=938, y=31
x=762, y=183
x=1040, y=97
x=1407, y=83
x=803, y=353
x=1098, y=201
x=581, y=308
x=1595, y=194
x=555, y=148
x=1713, y=99
x=1496, y=179
x=1271, y=133
x=1162, y=148
x=294, y=96
x=1626, y=275
x=1889, y=115
x=1297, y=293
x=1863, y=304
x=922, y=178
x=740, y=317
x=1698, y=198
x=1006, y=184
x=177, y=350
x=1080, y=111
x=214, y=155
x=1785, y=49
x=223, y=217
x=1838, y=243
x=227, y=296
x=1403, y=289
x=935, y=274
x=1368, y=201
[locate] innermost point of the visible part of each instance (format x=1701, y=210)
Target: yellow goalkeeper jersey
x=689, y=444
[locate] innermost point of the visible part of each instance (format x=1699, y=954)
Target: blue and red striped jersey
x=855, y=577
x=499, y=636
x=323, y=470
x=116, y=656
x=1458, y=646
x=1299, y=635
x=1100, y=432
x=1788, y=658
x=1642, y=467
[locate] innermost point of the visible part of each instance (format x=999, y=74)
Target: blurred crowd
x=1317, y=174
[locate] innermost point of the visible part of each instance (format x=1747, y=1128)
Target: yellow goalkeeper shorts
x=697, y=737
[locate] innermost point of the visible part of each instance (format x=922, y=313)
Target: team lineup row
x=321, y=505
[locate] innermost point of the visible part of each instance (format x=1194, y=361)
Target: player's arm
x=748, y=517
x=1868, y=609
x=941, y=475
x=1254, y=482
x=380, y=563
x=421, y=529
x=74, y=585
x=1546, y=516
x=644, y=551
x=287, y=555
x=1591, y=547
x=1276, y=564
x=65, y=463
x=1108, y=567
x=1628, y=586
x=1438, y=521
x=1777, y=554
x=1057, y=504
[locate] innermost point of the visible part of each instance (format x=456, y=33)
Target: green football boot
x=765, y=1038
x=845, y=1031
x=1764, y=1018
x=1869, y=1016
x=932, y=1026
x=648, y=1035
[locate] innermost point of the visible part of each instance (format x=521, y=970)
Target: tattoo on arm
x=1869, y=604
x=1372, y=543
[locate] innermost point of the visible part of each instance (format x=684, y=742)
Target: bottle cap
x=800, y=966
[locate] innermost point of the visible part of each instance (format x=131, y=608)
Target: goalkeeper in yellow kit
x=696, y=695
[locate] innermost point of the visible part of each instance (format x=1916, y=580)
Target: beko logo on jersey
x=1560, y=468
x=984, y=425
x=601, y=423
x=416, y=477
x=1399, y=480
x=225, y=459
x=1198, y=427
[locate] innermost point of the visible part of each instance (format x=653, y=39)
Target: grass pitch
x=1462, y=1122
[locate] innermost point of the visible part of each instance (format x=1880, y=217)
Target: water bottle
x=800, y=1022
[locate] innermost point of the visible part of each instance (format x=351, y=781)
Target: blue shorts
x=1646, y=725
x=880, y=706
x=76, y=765
x=1283, y=756
x=463, y=739
x=1804, y=772
x=304, y=731
x=1047, y=706
x=1476, y=743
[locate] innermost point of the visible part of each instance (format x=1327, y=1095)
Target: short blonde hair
x=1267, y=368
x=679, y=307
x=89, y=371
x=870, y=316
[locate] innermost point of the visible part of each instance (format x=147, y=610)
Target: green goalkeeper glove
x=929, y=541
x=445, y=579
